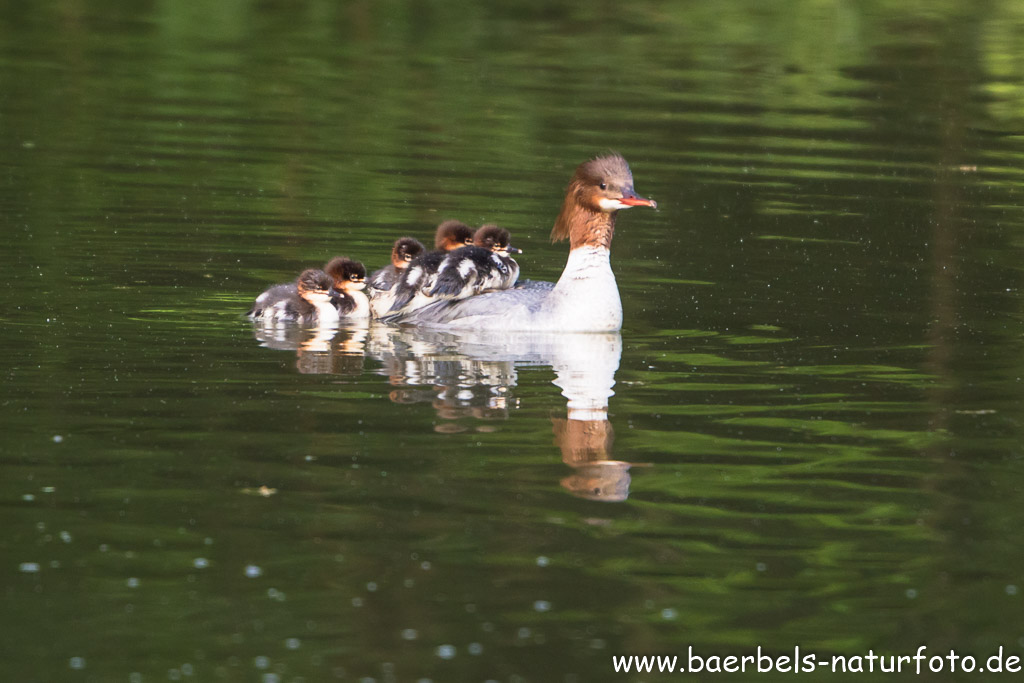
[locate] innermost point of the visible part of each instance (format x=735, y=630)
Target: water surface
x=808, y=432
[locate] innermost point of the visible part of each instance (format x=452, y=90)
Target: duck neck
x=584, y=226
x=586, y=297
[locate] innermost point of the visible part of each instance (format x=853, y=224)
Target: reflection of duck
x=472, y=374
x=311, y=303
x=586, y=447
x=382, y=283
x=585, y=298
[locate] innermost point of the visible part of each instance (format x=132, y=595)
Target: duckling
x=403, y=252
x=487, y=265
x=311, y=304
x=419, y=276
x=349, y=279
x=382, y=283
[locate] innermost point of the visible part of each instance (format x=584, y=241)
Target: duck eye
x=603, y=186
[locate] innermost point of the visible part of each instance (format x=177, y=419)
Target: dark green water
x=818, y=381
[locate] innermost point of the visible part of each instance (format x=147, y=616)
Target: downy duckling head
x=495, y=239
x=452, y=235
x=348, y=275
x=404, y=251
x=315, y=286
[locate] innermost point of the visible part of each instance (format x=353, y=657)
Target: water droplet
x=410, y=634
x=446, y=651
x=57, y=438
x=475, y=649
x=543, y=561
x=1011, y=589
x=252, y=571
x=76, y=663
x=911, y=593
x=261, y=662
x=200, y=563
x=293, y=643
x=542, y=606
x=28, y=567
x=669, y=614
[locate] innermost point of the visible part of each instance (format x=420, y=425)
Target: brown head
x=599, y=189
x=452, y=235
x=348, y=275
x=404, y=251
x=495, y=239
x=315, y=285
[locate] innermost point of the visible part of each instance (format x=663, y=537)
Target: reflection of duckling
x=349, y=280
x=487, y=265
x=382, y=283
x=419, y=277
x=310, y=305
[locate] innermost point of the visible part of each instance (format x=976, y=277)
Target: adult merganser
x=484, y=266
x=418, y=278
x=349, y=280
x=585, y=298
x=382, y=283
x=311, y=304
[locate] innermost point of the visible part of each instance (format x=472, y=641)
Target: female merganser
x=419, y=277
x=382, y=283
x=311, y=304
x=585, y=298
x=484, y=266
x=349, y=280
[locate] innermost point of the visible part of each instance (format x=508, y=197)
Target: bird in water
x=586, y=296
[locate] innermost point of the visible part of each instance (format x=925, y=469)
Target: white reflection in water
x=471, y=374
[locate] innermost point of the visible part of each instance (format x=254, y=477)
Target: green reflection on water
x=819, y=383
